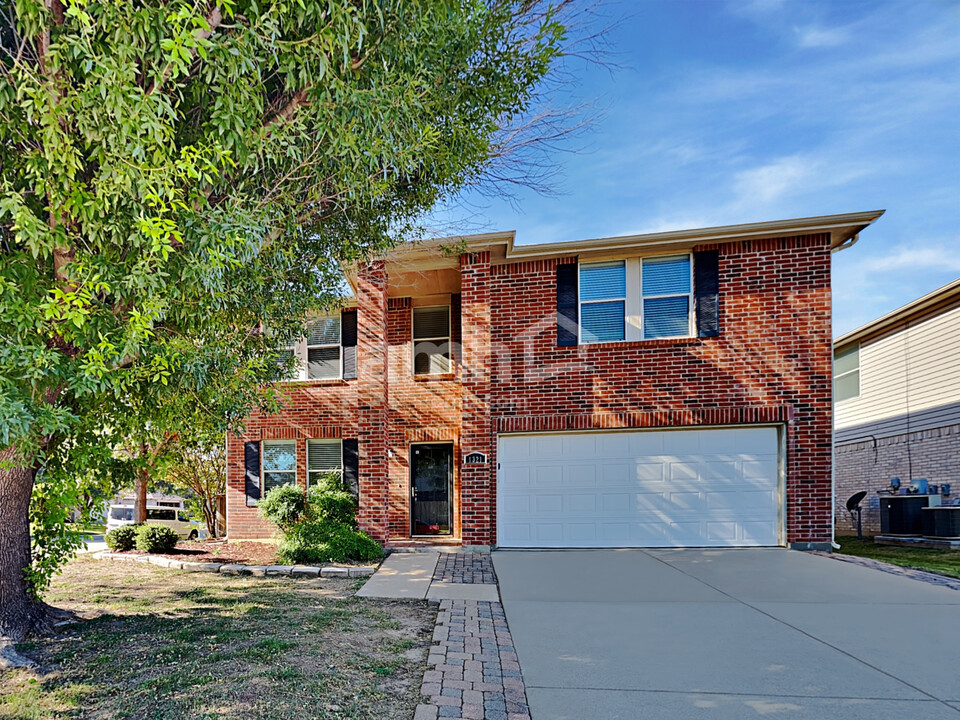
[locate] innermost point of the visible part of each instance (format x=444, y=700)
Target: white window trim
x=324, y=441
x=688, y=295
x=581, y=302
x=844, y=374
x=633, y=302
x=414, y=339
x=263, y=465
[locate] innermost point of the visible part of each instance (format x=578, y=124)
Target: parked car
x=173, y=518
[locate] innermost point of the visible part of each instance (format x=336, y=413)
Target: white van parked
x=173, y=518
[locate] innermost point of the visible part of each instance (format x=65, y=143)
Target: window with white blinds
x=279, y=463
x=323, y=347
x=323, y=457
x=666, y=286
x=603, y=301
x=431, y=340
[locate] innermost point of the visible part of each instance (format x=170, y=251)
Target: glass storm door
x=431, y=487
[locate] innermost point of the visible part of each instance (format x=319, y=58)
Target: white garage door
x=664, y=488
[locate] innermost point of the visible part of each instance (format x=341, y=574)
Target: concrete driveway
x=728, y=635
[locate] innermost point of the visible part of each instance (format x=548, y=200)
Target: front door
x=431, y=487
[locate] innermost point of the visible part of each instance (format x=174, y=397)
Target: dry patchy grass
x=159, y=644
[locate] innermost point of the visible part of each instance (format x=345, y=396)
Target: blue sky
x=729, y=112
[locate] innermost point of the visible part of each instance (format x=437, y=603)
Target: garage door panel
x=548, y=475
x=707, y=488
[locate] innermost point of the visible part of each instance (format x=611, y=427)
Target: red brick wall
x=478, y=499
x=771, y=362
x=317, y=409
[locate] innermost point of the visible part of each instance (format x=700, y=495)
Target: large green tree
x=178, y=174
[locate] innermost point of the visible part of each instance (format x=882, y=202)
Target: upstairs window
x=603, y=301
x=846, y=373
x=666, y=289
x=279, y=463
x=323, y=457
x=431, y=340
x=323, y=348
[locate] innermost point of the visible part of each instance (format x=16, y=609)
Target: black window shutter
x=706, y=277
x=351, y=467
x=251, y=463
x=568, y=312
x=348, y=341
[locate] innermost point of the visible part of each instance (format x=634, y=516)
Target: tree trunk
x=19, y=610
x=140, y=495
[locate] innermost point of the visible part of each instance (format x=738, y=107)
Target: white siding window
x=603, y=301
x=846, y=374
x=667, y=291
x=279, y=463
x=323, y=456
x=431, y=340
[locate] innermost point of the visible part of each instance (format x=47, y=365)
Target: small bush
x=122, y=538
x=156, y=539
x=284, y=506
x=334, y=507
x=312, y=542
x=319, y=525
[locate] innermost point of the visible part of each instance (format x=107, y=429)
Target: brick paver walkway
x=472, y=670
x=466, y=568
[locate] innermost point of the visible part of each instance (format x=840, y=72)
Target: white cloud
x=814, y=37
x=770, y=182
x=924, y=257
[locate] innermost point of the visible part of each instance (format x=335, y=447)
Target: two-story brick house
x=670, y=389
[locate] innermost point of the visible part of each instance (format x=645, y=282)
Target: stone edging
x=912, y=573
x=306, y=571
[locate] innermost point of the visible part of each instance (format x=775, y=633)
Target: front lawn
x=944, y=562
x=162, y=644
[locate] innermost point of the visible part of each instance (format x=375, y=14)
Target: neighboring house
x=670, y=389
x=897, y=402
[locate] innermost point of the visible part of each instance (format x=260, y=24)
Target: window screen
x=603, y=293
x=431, y=340
x=279, y=463
x=846, y=374
x=323, y=347
x=323, y=456
x=666, y=289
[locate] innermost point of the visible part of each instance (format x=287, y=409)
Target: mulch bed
x=220, y=551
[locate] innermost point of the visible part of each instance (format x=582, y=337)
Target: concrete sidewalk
x=411, y=576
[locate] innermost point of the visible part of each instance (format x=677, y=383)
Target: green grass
x=88, y=528
x=943, y=562
x=159, y=644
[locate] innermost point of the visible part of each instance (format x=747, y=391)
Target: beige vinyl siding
x=928, y=354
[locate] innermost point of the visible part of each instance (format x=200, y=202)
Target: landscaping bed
x=942, y=562
x=159, y=645
x=238, y=552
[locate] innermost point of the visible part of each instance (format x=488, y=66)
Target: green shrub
x=156, y=539
x=319, y=525
x=284, y=506
x=313, y=542
x=122, y=538
x=334, y=507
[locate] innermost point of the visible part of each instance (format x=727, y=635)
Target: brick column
x=477, y=496
x=372, y=398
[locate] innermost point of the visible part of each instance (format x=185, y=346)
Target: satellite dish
x=855, y=500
